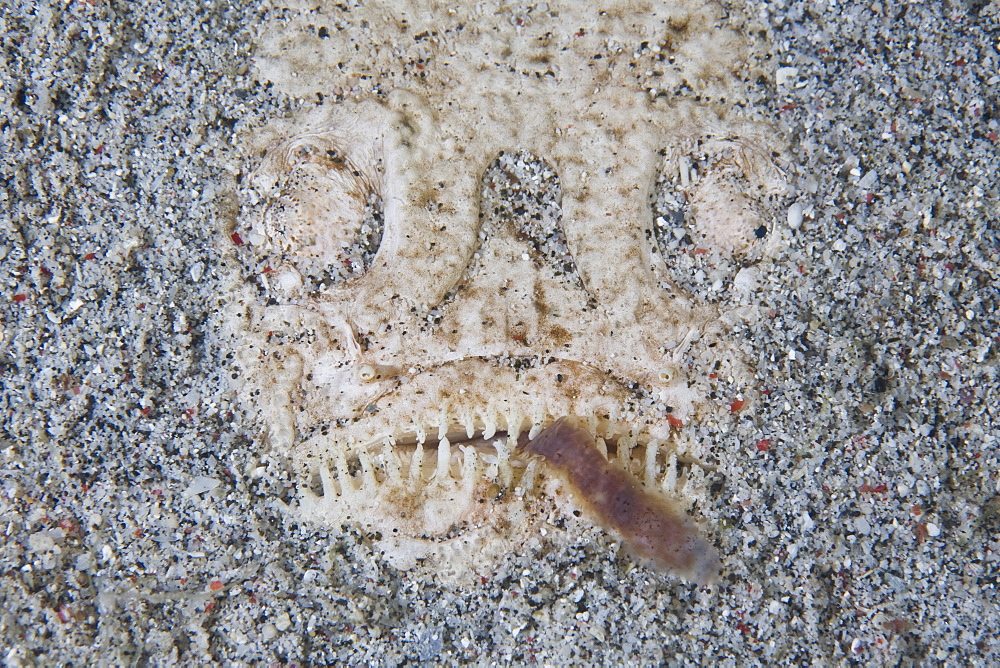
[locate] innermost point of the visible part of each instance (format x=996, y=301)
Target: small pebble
x=795, y=215
x=784, y=75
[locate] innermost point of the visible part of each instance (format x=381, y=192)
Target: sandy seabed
x=856, y=508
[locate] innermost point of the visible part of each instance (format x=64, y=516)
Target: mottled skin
x=647, y=523
x=402, y=390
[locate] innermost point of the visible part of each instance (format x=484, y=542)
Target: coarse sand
x=856, y=502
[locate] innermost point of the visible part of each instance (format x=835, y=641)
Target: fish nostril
x=668, y=375
x=368, y=373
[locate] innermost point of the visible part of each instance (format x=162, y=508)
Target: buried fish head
x=434, y=274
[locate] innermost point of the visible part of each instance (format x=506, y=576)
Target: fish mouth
x=495, y=460
x=436, y=460
x=473, y=417
x=436, y=496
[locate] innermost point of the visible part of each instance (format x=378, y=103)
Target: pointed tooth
x=489, y=424
x=469, y=422
x=624, y=449
x=513, y=425
x=326, y=476
x=442, y=426
x=344, y=474
x=392, y=463
x=368, y=481
x=491, y=472
x=602, y=447
x=535, y=428
x=593, y=425
x=443, y=470
x=538, y=416
x=669, y=483
x=652, y=451
x=416, y=465
x=505, y=473
x=527, y=483
x=420, y=432
x=469, y=465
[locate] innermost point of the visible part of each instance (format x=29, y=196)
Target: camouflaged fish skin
x=398, y=340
